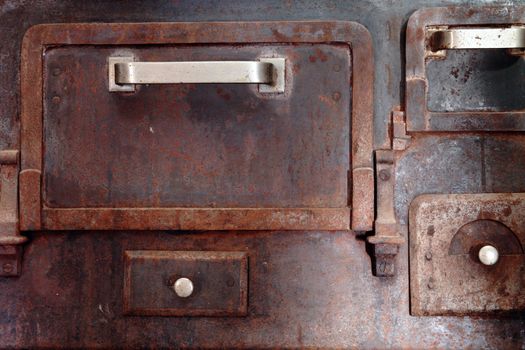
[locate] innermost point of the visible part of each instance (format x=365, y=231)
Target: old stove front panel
x=466, y=253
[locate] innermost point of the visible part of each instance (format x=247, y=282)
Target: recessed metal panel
x=185, y=283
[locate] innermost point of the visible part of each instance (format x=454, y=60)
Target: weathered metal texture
x=467, y=163
x=244, y=124
x=220, y=281
x=306, y=289
x=446, y=276
x=490, y=102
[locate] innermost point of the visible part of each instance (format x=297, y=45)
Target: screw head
x=431, y=284
x=7, y=267
x=384, y=175
x=183, y=287
x=488, y=255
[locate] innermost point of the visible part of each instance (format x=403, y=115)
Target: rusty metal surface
x=446, y=279
x=219, y=279
x=187, y=172
x=454, y=106
x=306, y=289
x=458, y=164
x=197, y=145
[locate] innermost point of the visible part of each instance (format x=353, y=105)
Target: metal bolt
x=384, y=175
x=428, y=256
x=7, y=268
x=183, y=287
x=488, y=255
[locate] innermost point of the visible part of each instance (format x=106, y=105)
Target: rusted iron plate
x=306, y=289
x=448, y=279
x=217, y=283
x=275, y=172
x=197, y=145
x=454, y=104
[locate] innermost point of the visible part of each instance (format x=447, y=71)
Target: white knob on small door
x=183, y=287
x=488, y=255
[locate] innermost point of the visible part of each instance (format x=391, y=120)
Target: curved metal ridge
x=478, y=38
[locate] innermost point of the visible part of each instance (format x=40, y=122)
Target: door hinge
x=11, y=241
x=387, y=237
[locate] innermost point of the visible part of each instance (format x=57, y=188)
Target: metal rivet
x=336, y=96
x=430, y=284
x=7, y=268
x=384, y=175
x=488, y=255
x=183, y=287
x=337, y=68
x=56, y=99
x=428, y=256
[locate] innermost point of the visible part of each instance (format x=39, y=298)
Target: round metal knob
x=488, y=255
x=183, y=287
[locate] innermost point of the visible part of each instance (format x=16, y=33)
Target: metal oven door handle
x=124, y=73
x=477, y=38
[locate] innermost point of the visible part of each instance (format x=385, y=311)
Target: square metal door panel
x=285, y=154
x=451, y=271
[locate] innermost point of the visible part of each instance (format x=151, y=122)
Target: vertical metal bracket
x=10, y=239
x=387, y=238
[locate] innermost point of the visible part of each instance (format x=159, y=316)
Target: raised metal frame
x=422, y=29
x=357, y=216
